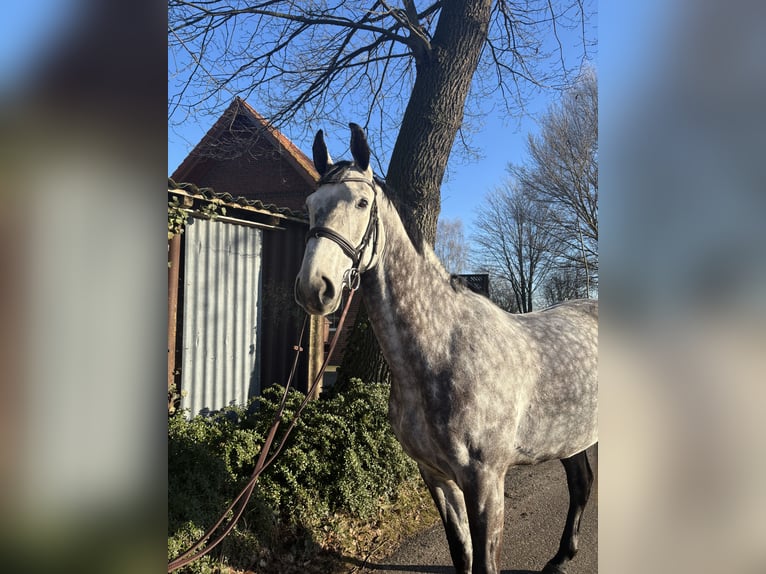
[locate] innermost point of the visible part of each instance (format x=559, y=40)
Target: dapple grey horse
x=474, y=389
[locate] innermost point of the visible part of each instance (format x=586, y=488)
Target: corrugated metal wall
x=221, y=314
x=282, y=317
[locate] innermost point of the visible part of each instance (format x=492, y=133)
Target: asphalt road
x=535, y=509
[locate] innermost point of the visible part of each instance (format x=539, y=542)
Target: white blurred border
x=683, y=385
x=84, y=260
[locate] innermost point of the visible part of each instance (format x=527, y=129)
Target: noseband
x=352, y=276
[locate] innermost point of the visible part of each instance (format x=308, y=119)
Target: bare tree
x=501, y=293
x=450, y=245
x=563, y=284
x=562, y=173
x=514, y=243
x=407, y=71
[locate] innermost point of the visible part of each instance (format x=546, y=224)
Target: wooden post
x=316, y=350
x=174, y=258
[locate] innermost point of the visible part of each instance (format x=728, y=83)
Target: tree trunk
x=434, y=113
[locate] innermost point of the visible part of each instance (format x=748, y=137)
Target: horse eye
x=362, y=203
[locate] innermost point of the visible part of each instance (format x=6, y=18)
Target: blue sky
x=501, y=141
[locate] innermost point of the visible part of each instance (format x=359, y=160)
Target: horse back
x=560, y=415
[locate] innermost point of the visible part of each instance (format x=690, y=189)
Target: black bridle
x=352, y=275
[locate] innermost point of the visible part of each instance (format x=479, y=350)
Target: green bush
x=341, y=458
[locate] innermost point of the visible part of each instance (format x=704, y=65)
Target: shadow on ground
x=429, y=569
x=416, y=568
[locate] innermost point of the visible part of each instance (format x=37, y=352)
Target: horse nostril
x=327, y=292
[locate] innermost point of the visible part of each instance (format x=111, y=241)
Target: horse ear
x=359, y=148
x=322, y=159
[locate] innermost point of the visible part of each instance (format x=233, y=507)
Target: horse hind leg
x=579, y=482
x=451, y=505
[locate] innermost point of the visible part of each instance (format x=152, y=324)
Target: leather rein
x=239, y=503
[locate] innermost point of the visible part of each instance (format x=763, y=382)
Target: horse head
x=345, y=237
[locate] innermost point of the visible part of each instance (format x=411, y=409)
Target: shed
x=233, y=322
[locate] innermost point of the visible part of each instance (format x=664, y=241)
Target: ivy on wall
x=178, y=215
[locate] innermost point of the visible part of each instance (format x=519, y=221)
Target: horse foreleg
x=451, y=505
x=484, y=499
x=579, y=481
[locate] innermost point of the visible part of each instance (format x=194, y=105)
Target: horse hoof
x=553, y=569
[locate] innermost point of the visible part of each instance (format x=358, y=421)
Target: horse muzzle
x=317, y=294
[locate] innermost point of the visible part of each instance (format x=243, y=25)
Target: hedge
x=341, y=460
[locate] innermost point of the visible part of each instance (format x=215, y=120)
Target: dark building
x=233, y=320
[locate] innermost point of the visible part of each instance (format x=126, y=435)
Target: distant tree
x=562, y=174
x=564, y=284
x=450, y=245
x=513, y=242
x=501, y=294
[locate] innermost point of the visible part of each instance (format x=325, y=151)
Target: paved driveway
x=535, y=509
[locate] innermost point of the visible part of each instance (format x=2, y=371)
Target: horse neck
x=408, y=293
